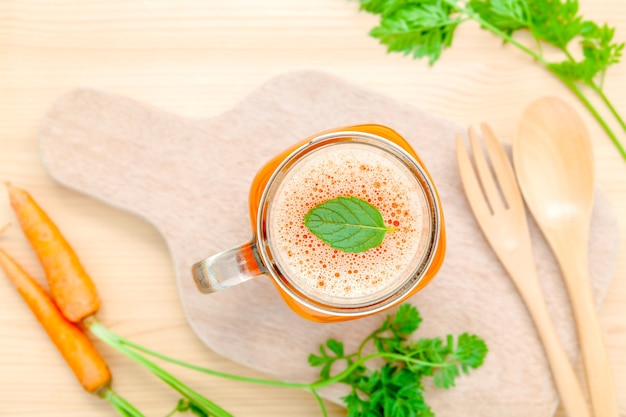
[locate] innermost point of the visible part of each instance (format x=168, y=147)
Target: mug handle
x=228, y=268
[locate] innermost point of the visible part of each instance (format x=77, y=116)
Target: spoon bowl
x=554, y=164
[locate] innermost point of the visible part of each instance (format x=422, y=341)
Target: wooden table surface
x=199, y=58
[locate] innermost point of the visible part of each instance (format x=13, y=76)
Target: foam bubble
x=348, y=169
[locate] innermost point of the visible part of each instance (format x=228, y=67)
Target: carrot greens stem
x=121, y=405
x=467, y=352
x=76, y=348
x=117, y=342
x=134, y=351
x=308, y=386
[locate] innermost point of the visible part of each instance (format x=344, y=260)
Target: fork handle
x=567, y=385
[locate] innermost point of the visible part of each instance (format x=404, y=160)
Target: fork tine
x=502, y=168
x=470, y=182
x=484, y=174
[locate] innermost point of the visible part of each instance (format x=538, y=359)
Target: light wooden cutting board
x=190, y=179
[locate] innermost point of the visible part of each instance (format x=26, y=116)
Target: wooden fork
x=502, y=218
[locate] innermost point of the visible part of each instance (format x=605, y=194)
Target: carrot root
x=80, y=354
x=70, y=286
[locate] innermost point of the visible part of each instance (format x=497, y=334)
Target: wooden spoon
x=554, y=164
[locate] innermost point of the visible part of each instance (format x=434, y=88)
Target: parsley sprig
x=391, y=389
x=424, y=28
x=395, y=389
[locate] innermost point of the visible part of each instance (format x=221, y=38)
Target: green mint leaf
x=348, y=224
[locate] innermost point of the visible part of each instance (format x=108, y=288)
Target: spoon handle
x=572, y=397
x=572, y=254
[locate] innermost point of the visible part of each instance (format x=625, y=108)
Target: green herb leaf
x=425, y=28
x=599, y=53
x=326, y=359
x=395, y=388
x=335, y=346
x=555, y=22
x=470, y=351
x=406, y=320
x=348, y=224
x=381, y=6
x=506, y=15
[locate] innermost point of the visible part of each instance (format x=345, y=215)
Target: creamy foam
x=336, y=277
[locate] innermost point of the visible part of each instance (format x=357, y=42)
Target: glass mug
x=371, y=162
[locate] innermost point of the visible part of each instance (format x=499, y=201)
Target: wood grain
x=199, y=58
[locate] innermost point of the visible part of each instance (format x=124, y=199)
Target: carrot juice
x=326, y=284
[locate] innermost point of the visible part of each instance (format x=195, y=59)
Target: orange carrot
x=80, y=354
x=70, y=286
